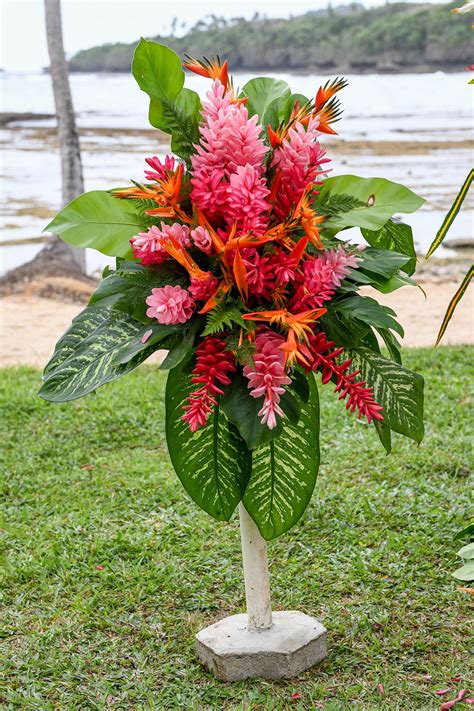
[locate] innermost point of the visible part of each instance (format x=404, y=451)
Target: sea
x=411, y=128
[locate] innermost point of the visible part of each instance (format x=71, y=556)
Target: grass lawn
x=110, y=570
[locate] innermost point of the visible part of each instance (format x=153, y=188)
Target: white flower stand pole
x=260, y=643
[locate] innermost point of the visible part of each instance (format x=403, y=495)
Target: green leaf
x=157, y=70
x=467, y=552
x=284, y=472
x=224, y=316
x=451, y=215
x=127, y=288
x=261, y=91
x=242, y=410
x=100, y=221
x=397, y=389
x=467, y=531
x=181, y=345
x=213, y=464
x=381, y=262
x=465, y=572
x=384, y=434
x=397, y=237
x=379, y=198
x=460, y=291
x=369, y=311
x=100, y=345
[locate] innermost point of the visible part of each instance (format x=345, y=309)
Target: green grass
x=110, y=569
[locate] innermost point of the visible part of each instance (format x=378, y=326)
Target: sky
x=91, y=22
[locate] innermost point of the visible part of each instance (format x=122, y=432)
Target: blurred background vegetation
x=394, y=38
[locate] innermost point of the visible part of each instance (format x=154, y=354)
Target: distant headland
x=398, y=37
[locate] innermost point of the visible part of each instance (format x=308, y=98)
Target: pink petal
x=461, y=694
x=146, y=336
x=447, y=705
x=381, y=689
x=469, y=700
x=441, y=692
x=296, y=696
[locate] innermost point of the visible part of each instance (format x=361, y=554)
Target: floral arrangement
x=230, y=257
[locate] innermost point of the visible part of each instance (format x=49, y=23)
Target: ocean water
x=411, y=128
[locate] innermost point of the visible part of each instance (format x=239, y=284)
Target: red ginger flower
x=213, y=362
x=260, y=273
x=321, y=276
x=267, y=375
x=321, y=356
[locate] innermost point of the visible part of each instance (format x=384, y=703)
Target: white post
x=257, y=580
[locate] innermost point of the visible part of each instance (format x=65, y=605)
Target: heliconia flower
x=267, y=375
x=148, y=246
x=247, y=204
x=202, y=239
x=201, y=289
x=229, y=139
x=260, y=273
x=321, y=355
x=159, y=169
x=298, y=160
x=170, y=305
x=213, y=363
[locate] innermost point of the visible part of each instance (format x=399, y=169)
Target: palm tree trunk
x=71, y=166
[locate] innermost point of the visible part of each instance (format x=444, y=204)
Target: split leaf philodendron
x=230, y=255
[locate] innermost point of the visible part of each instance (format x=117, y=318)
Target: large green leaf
x=284, y=472
x=395, y=236
x=369, y=311
x=100, y=221
x=397, y=389
x=213, y=464
x=100, y=345
x=379, y=198
x=157, y=70
x=261, y=92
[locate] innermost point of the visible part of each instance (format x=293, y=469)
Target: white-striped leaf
x=100, y=345
x=284, y=472
x=397, y=389
x=213, y=464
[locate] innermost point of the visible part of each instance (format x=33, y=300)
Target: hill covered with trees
x=394, y=38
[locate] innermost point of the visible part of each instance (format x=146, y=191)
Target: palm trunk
x=71, y=166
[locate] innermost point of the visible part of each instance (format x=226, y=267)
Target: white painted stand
x=259, y=643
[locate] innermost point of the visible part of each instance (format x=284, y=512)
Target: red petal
x=296, y=696
x=456, y=678
x=447, y=705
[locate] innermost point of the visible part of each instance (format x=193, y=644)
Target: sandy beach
x=31, y=322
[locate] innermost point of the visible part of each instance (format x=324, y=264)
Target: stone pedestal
x=261, y=643
x=295, y=642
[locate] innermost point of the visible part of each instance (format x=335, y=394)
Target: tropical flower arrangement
x=230, y=257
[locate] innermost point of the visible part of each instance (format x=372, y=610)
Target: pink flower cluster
x=321, y=276
x=147, y=246
x=170, y=305
x=267, y=375
x=228, y=182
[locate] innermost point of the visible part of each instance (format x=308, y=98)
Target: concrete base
x=294, y=643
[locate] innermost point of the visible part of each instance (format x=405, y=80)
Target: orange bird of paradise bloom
x=309, y=220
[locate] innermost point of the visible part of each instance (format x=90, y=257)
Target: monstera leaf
x=99, y=221
x=284, y=472
x=372, y=201
x=213, y=464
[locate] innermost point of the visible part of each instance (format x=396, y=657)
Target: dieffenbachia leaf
x=100, y=346
x=397, y=389
x=369, y=311
x=213, y=464
x=284, y=472
x=378, y=200
x=99, y=221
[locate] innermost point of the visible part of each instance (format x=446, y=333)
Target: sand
x=30, y=324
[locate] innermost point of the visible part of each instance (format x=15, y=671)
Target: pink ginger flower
x=298, y=161
x=170, y=305
x=159, y=169
x=229, y=140
x=202, y=239
x=201, y=289
x=321, y=277
x=260, y=273
x=267, y=375
x=213, y=363
x=147, y=246
x=247, y=204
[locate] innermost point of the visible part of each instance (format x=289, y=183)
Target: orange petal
x=240, y=275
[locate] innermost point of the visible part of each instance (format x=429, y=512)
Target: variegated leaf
x=101, y=345
x=397, y=389
x=213, y=464
x=284, y=472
